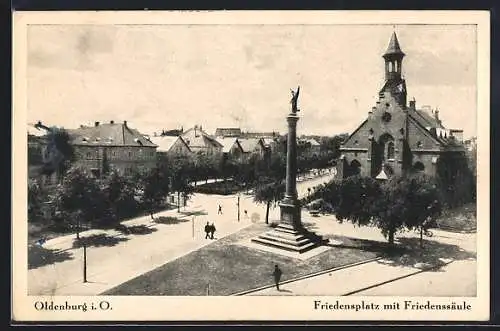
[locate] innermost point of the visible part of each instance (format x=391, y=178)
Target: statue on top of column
x=293, y=101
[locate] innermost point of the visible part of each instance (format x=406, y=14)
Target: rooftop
x=394, y=47
x=109, y=134
x=165, y=143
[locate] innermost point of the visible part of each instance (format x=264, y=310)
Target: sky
x=167, y=76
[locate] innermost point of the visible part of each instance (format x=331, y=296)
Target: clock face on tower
x=386, y=117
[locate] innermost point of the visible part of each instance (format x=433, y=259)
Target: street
x=126, y=257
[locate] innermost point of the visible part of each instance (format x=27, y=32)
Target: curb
x=308, y=276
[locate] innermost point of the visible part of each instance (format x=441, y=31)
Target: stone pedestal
x=290, y=234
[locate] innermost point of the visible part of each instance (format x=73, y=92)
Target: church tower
x=394, y=83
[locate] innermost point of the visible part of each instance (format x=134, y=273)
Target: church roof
x=426, y=119
x=394, y=47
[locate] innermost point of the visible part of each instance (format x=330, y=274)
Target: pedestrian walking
x=277, y=276
x=246, y=213
x=212, y=231
x=219, y=212
x=207, y=230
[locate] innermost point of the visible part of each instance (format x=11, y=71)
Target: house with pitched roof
x=171, y=145
x=201, y=142
x=231, y=147
x=398, y=138
x=106, y=146
x=253, y=146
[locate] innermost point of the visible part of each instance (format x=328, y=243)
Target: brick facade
x=396, y=138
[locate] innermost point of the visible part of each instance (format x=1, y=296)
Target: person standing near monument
x=277, y=276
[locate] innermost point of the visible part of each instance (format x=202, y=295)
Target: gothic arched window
x=396, y=66
x=390, y=66
x=390, y=150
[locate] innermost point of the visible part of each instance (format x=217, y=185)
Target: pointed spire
x=394, y=47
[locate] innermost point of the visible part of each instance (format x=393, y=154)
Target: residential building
x=309, y=146
x=398, y=138
x=201, y=142
x=171, y=145
x=231, y=148
x=252, y=146
x=107, y=146
x=228, y=132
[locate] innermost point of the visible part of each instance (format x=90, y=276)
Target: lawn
x=461, y=219
x=230, y=268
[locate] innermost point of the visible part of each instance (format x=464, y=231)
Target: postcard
x=250, y=166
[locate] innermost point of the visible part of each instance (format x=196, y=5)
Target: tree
x=268, y=193
x=59, y=152
x=399, y=203
x=119, y=192
x=154, y=190
x=423, y=201
x=36, y=198
x=180, y=176
x=79, y=198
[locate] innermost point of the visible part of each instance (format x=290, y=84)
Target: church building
x=397, y=137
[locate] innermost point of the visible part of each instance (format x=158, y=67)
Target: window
x=390, y=150
x=130, y=154
x=390, y=66
x=89, y=155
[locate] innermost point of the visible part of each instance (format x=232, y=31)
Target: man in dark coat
x=207, y=230
x=212, y=231
x=277, y=276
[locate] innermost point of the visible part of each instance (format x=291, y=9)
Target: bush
x=221, y=188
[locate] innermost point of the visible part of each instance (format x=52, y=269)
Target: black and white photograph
x=251, y=165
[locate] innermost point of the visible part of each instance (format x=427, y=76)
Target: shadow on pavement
x=365, y=245
x=434, y=254
x=98, y=240
x=169, y=220
x=135, y=229
x=194, y=213
x=39, y=256
x=407, y=252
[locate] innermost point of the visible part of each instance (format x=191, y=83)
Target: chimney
x=412, y=104
x=125, y=123
x=112, y=122
x=96, y=123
